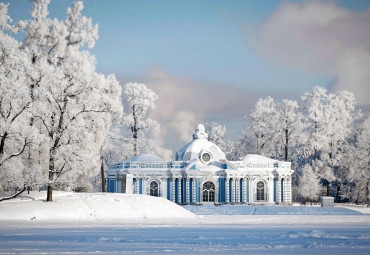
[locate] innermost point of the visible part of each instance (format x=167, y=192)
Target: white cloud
x=320, y=38
x=183, y=103
x=159, y=146
x=184, y=123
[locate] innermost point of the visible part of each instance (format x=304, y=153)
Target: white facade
x=202, y=174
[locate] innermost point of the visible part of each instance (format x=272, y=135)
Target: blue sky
x=209, y=45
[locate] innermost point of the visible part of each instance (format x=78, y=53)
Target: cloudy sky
x=211, y=60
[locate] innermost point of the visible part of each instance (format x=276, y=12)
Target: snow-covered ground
x=154, y=225
x=275, y=210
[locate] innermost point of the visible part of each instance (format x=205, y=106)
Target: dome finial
x=200, y=132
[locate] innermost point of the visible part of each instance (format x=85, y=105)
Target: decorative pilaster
x=187, y=191
x=194, y=190
x=244, y=190
x=237, y=190
x=287, y=190
x=233, y=191
x=270, y=197
x=179, y=191
x=173, y=190
x=278, y=191
x=227, y=187
x=137, y=186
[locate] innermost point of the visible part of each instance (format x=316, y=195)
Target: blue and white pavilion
x=201, y=173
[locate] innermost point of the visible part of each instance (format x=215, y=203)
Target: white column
x=143, y=186
x=194, y=190
x=136, y=187
x=173, y=190
x=227, y=190
x=237, y=190
x=244, y=190
x=278, y=191
x=179, y=191
x=233, y=191
x=163, y=190
x=216, y=192
x=251, y=194
x=270, y=190
x=287, y=190
x=187, y=191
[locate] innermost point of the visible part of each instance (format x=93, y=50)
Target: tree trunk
x=134, y=129
x=102, y=172
x=286, y=144
x=2, y=144
x=49, y=197
x=367, y=192
x=338, y=191
x=328, y=189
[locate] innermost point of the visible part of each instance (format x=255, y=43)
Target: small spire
x=200, y=132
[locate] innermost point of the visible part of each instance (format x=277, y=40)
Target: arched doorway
x=260, y=191
x=208, y=192
x=154, y=189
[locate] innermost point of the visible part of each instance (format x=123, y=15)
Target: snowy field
x=164, y=228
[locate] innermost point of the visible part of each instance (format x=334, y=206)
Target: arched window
x=260, y=191
x=154, y=189
x=208, y=192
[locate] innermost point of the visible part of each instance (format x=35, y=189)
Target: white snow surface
x=70, y=206
x=255, y=158
x=193, y=149
x=104, y=223
x=145, y=158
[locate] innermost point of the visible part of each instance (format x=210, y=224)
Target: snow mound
x=90, y=206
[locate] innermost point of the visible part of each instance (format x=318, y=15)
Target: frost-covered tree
x=217, y=134
x=309, y=184
x=15, y=105
x=139, y=100
x=358, y=165
x=263, y=125
x=289, y=127
x=330, y=120
x=68, y=94
x=314, y=104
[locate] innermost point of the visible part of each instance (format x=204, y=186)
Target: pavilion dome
x=200, y=148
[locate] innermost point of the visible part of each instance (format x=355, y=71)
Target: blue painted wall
x=191, y=189
x=282, y=190
x=275, y=180
x=111, y=186
x=176, y=190
x=230, y=189
x=168, y=188
x=241, y=190
x=221, y=190
x=197, y=188
x=247, y=190
x=140, y=186
x=183, y=190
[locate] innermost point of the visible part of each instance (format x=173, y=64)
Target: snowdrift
x=90, y=206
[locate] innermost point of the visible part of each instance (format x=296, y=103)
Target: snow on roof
x=258, y=158
x=145, y=158
x=192, y=150
x=199, y=145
